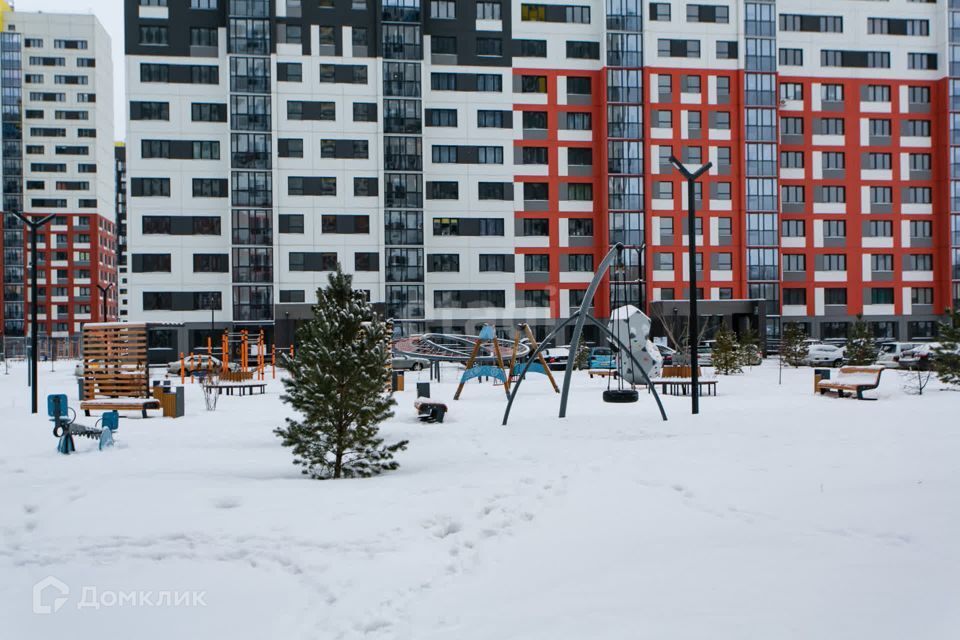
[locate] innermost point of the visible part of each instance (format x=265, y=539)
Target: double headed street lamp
x=692, y=330
x=34, y=226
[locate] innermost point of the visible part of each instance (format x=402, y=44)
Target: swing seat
x=620, y=396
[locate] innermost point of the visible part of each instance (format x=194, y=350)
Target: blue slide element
x=486, y=371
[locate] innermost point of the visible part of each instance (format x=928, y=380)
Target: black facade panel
x=179, y=13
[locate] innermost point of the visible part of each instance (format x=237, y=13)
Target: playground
x=774, y=513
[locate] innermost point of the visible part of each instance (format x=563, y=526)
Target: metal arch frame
x=581, y=316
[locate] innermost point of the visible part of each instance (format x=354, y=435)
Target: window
x=365, y=187
x=898, y=27
x=831, y=92
x=578, y=121
x=493, y=119
x=583, y=50
x=209, y=188
x=834, y=160
x=495, y=262
x=835, y=295
x=678, y=48
x=580, y=262
x=921, y=229
x=443, y=9
x=580, y=191
x=792, y=194
x=443, y=45
x=833, y=194
x=918, y=195
x=207, y=112
x=877, y=93
x=153, y=36
x=578, y=156
x=203, y=37
x=492, y=47
x=364, y=112
x=536, y=262
x=921, y=295
x=495, y=190
x=919, y=95
x=441, y=117
x=820, y=24
x=443, y=190
x=489, y=82
x=834, y=229
x=855, y=59
x=488, y=10
x=880, y=128
x=289, y=72
x=881, y=295
x=489, y=155
x=794, y=296
x=443, y=262
x=533, y=84
x=926, y=61
x=879, y=229
x=919, y=262
x=580, y=227
x=791, y=159
x=535, y=191
x=534, y=119
x=881, y=262
x=792, y=229
x=291, y=222
x=791, y=126
x=834, y=262
x=533, y=48
x=535, y=227
x=150, y=187
x=533, y=155
x=727, y=50
x=917, y=128
x=791, y=57
x=149, y=110
x=831, y=127
x=708, y=13
x=660, y=11
x=150, y=263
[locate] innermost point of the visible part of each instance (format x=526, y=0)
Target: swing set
x=481, y=368
x=581, y=316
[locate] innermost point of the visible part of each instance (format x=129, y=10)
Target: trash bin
x=818, y=375
x=423, y=389
x=397, y=381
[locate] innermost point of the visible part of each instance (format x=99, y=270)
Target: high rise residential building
x=56, y=77
x=473, y=160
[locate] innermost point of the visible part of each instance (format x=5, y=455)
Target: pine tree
x=726, y=352
x=749, y=348
x=582, y=358
x=793, y=348
x=861, y=348
x=946, y=357
x=338, y=384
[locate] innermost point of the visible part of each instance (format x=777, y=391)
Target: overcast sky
x=110, y=13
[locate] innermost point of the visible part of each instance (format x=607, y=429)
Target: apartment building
x=57, y=145
x=472, y=161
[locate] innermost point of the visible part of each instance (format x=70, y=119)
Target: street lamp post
x=691, y=178
x=103, y=301
x=34, y=342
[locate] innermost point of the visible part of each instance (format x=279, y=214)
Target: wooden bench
x=120, y=404
x=244, y=389
x=852, y=380
x=678, y=380
x=429, y=410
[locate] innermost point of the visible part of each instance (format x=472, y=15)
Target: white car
x=890, y=353
x=820, y=354
x=920, y=357
x=404, y=363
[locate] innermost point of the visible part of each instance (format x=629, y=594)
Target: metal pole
x=34, y=338
x=103, y=300
x=34, y=341
x=691, y=231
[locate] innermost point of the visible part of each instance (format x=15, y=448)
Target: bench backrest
x=679, y=371
x=115, y=361
x=859, y=370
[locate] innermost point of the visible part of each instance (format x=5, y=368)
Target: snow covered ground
x=773, y=514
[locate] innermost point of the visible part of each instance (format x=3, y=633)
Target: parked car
x=667, y=353
x=890, y=353
x=602, y=358
x=556, y=357
x=921, y=356
x=819, y=354
x=409, y=363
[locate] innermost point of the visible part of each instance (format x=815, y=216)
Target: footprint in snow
x=227, y=503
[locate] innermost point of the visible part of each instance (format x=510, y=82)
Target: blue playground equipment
x=65, y=426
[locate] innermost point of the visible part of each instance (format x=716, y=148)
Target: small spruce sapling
x=726, y=352
x=338, y=385
x=749, y=348
x=793, y=348
x=861, y=348
x=946, y=357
